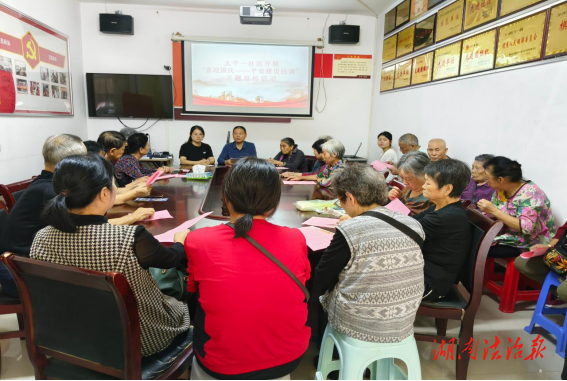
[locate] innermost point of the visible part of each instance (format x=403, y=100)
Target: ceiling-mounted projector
x=259, y=14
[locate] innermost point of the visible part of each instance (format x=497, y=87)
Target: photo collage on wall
x=53, y=83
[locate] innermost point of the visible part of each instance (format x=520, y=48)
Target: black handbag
x=171, y=282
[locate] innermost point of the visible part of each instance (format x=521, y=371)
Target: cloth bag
x=556, y=257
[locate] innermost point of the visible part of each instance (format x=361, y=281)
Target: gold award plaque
x=447, y=61
x=405, y=41
x=403, y=74
x=402, y=13
x=510, y=6
x=387, y=82
x=450, y=20
x=478, y=12
x=422, y=69
x=389, y=52
x=521, y=41
x=423, y=36
x=478, y=53
x=557, y=37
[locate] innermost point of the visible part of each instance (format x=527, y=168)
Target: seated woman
x=333, y=152
x=411, y=168
x=79, y=235
x=250, y=319
x=355, y=285
x=128, y=168
x=520, y=204
x=478, y=188
x=447, y=230
x=385, y=143
x=318, y=166
x=239, y=148
x=290, y=156
x=195, y=151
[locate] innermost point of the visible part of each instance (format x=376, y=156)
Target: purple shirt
x=475, y=192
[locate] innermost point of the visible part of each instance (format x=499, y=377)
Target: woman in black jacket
x=290, y=157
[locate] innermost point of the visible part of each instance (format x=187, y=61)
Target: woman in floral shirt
x=521, y=205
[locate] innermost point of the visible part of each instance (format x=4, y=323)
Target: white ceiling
x=317, y=6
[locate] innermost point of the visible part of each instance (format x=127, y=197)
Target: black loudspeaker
x=116, y=24
x=344, y=34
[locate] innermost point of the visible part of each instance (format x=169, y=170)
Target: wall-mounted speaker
x=344, y=34
x=116, y=23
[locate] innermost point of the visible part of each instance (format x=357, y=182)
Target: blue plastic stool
x=538, y=318
x=357, y=355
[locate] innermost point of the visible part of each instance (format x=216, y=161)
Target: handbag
x=171, y=282
x=556, y=257
x=277, y=262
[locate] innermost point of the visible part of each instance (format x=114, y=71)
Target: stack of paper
x=317, y=239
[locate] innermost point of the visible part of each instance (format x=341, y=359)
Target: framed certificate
x=422, y=69
x=390, y=45
x=557, y=35
x=390, y=21
x=402, y=76
x=478, y=53
x=387, y=82
x=405, y=41
x=479, y=12
x=450, y=21
x=424, y=33
x=510, y=6
x=521, y=41
x=402, y=13
x=447, y=61
x=418, y=7
x=434, y=3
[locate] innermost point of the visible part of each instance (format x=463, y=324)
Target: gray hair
x=363, y=182
x=333, y=147
x=58, y=147
x=484, y=158
x=325, y=137
x=414, y=163
x=409, y=139
x=127, y=132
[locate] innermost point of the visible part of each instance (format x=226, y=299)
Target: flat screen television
x=130, y=96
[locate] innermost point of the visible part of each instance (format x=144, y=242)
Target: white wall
x=520, y=114
x=346, y=117
x=22, y=138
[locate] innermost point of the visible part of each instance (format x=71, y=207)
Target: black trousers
x=504, y=251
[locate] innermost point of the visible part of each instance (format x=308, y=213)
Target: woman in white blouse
x=385, y=142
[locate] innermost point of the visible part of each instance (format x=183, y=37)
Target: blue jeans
x=7, y=282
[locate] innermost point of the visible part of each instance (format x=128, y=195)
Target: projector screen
x=247, y=79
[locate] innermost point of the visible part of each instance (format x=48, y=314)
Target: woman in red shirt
x=251, y=317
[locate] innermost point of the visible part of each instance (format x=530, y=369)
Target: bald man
x=437, y=150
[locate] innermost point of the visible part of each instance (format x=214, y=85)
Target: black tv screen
x=130, y=96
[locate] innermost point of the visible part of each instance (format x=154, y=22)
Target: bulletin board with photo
x=37, y=59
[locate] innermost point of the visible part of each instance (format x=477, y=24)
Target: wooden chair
x=10, y=192
x=83, y=324
x=455, y=306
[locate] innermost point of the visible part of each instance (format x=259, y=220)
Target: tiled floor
x=490, y=322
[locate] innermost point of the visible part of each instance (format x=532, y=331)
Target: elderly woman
x=478, y=188
x=128, y=168
x=250, y=320
x=520, y=204
x=347, y=269
x=412, y=171
x=290, y=156
x=446, y=226
x=318, y=166
x=79, y=235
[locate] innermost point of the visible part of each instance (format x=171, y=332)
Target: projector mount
x=267, y=8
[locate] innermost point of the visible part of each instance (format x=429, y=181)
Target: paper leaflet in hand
x=535, y=253
x=317, y=239
x=380, y=166
x=199, y=168
x=183, y=176
x=159, y=215
x=153, y=178
x=168, y=236
x=397, y=206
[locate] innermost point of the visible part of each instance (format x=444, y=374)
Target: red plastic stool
x=513, y=287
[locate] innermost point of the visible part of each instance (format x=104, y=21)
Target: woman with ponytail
x=79, y=235
x=244, y=299
x=520, y=204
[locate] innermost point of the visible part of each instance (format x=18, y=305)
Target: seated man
x=407, y=143
x=437, y=150
x=238, y=149
x=352, y=272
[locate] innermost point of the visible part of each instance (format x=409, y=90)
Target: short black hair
x=387, y=135
x=450, y=172
x=135, y=142
x=241, y=127
x=253, y=187
x=317, y=145
x=111, y=139
x=93, y=147
x=501, y=166
x=193, y=129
